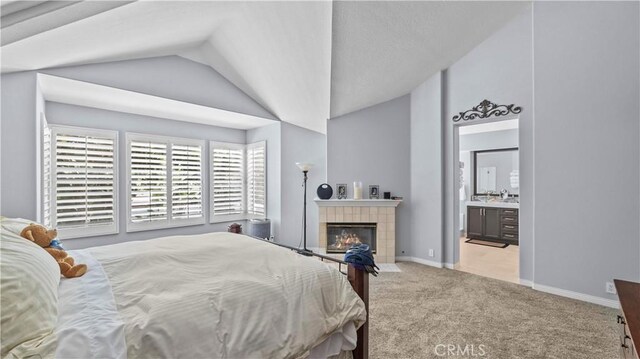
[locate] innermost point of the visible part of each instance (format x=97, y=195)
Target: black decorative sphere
x=324, y=191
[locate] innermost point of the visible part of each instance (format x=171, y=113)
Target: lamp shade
x=304, y=166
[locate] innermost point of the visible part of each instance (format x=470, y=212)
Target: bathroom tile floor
x=497, y=263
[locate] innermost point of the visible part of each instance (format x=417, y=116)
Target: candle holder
x=357, y=190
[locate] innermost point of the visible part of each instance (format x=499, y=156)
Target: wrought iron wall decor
x=487, y=109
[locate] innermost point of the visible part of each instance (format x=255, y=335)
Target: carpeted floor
x=413, y=311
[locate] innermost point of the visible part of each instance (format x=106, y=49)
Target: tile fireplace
x=344, y=222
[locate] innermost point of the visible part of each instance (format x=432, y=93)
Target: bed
x=216, y=295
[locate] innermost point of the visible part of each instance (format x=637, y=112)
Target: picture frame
x=341, y=191
x=374, y=191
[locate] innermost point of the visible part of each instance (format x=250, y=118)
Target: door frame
x=455, y=236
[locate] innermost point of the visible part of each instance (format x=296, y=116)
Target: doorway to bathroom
x=488, y=201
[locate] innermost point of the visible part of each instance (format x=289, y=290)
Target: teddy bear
x=45, y=238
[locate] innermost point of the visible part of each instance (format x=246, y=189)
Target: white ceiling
x=384, y=49
x=303, y=61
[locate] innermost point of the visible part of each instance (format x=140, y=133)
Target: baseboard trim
x=419, y=260
x=450, y=265
x=526, y=283
x=579, y=296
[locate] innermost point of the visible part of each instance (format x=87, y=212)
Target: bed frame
x=359, y=280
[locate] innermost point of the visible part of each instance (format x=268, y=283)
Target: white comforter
x=225, y=296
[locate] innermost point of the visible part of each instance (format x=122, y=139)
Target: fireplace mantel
x=357, y=202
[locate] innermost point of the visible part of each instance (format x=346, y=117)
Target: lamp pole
x=305, y=167
x=304, y=214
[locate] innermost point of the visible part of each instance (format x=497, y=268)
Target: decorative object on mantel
x=487, y=109
x=304, y=167
x=235, y=228
x=387, y=195
x=357, y=190
x=397, y=198
x=324, y=191
x=374, y=191
x=342, y=190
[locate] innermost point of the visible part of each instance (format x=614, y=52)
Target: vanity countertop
x=493, y=204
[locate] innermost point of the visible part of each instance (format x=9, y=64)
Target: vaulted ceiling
x=302, y=61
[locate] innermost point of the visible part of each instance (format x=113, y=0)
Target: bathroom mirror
x=496, y=170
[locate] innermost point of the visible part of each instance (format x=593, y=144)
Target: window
x=80, y=181
x=45, y=186
x=227, y=182
x=256, y=180
x=238, y=181
x=186, y=181
x=165, y=182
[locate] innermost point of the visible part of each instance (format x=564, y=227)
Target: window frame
x=85, y=231
x=221, y=218
x=169, y=222
x=246, y=165
x=245, y=182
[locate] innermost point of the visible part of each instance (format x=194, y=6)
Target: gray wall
x=70, y=115
x=18, y=145
x=587, y=136
x=426, y=170
x=171, y=77
x=500, y=70
x=372, y=145
x=586, y=64
x=300, y=145
x=286, y=145
x=271, y=134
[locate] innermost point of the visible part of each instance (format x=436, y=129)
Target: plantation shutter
x=227, y=180
x=46, y=175
x=148, y=176
x=256, y=179
x=186, y=181
x=85, y=181
x=166, y=180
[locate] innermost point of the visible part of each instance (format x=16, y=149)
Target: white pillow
x=29, y=279
x=14, y=225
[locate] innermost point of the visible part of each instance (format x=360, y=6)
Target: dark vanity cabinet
x=475, y=222
x=492, y=224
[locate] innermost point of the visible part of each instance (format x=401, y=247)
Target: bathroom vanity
x=493, y=221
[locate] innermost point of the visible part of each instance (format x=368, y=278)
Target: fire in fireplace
x=341, y=236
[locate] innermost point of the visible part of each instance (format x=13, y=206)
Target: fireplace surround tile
x=380, y=212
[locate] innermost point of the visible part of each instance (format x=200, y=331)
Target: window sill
x=150, y=226
x=83, y=232
x=228, y=218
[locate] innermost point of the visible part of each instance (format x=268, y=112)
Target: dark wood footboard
x=359, y=280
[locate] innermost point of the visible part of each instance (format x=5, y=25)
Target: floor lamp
x=305, y=167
